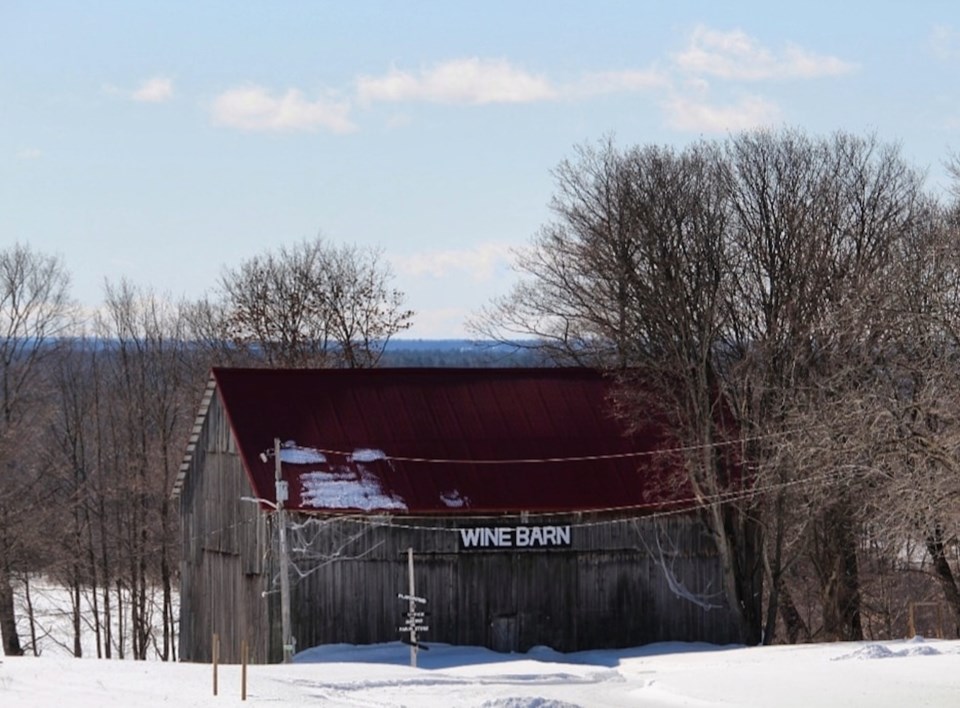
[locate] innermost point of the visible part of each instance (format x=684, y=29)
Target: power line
x=646, y=511
x=554, y=460
x=681, y=506
x=684, y=505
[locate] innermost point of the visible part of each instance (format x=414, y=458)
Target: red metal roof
x=441, y=441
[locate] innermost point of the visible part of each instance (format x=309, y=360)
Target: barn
x=526, y=513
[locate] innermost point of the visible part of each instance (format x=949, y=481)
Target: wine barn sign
x=492, y=537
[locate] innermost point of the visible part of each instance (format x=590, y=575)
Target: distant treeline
x=461, y=353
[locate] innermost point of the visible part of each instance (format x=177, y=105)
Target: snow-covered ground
x=911, y=673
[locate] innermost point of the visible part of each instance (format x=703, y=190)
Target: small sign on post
x=413, y=623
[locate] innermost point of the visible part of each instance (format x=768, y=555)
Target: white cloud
x=156, y=90
x=29, y=154
x=459, y=81
x=735, y=55
x=480, y=263
x=474, y=81
x=945, y=42
x=750, y=112
x=254, y=108
x=483, y=81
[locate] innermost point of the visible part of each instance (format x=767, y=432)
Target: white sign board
x=512, y=537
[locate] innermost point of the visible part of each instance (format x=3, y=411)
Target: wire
x=575, y=458
x=677, y=507
x=683, y=506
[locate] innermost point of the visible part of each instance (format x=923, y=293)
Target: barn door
x=503, y=633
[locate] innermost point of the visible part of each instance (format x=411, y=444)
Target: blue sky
x=163, y=141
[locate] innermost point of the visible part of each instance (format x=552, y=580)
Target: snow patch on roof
x=346, y=489
x=453, y=500
x=367, y=455
x=293, y=454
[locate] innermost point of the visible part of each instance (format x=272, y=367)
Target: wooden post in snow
x=244, y=653
x=216, y=659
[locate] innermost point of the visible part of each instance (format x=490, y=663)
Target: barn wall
x=221, y=578
x=608, y=589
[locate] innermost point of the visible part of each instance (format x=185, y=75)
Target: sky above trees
x=164, y=142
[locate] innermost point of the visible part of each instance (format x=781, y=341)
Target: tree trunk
x=747, y=540
x=8, y=617
x=943, y=572
x=839, y=573
x=121, y=622
x=107, y=573
x=31, y=617
x=738, y=536
x=94, y=583
x=774, y=570
x=77, y=612
x=737, y=544
x=797, y=629
x=167, y=604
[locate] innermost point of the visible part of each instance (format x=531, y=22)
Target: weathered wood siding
x=608, y=589
x=224, y=542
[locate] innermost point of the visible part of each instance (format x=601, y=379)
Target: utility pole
x=282, y=494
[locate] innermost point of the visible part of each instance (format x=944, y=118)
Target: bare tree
x=150, y=372
x=72, y=436
x=816, y=226
x=364, y=311
x=35, y=311
x=310, y=305
x=632, y=276
x=917, y=395
x=737, y=286
x=207, y=328
x=572, y=300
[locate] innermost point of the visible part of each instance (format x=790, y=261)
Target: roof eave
x=194, y=437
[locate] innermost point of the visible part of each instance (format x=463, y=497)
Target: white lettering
x=536, y=536
x=522, y=536
x=515, y=537
x=470, y=538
